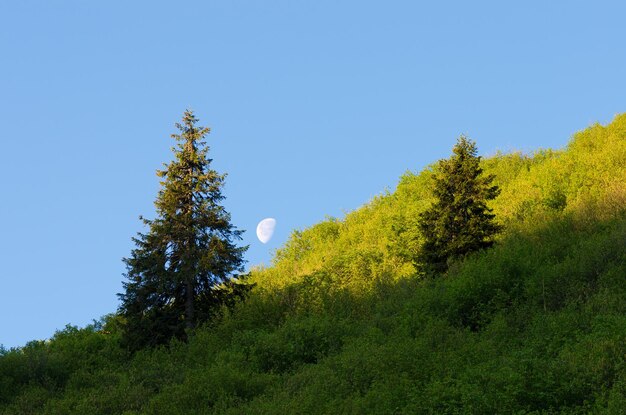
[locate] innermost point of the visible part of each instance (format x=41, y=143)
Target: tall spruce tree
x=459, y=221
x=180, y=271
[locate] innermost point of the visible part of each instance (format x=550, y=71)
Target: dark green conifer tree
x=459, y=221
x=180, y=270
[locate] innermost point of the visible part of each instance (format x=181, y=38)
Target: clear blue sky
x=315, y=107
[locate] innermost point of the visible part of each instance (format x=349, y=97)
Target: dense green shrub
x=341, y=324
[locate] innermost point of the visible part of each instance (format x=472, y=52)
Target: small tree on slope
x=459, y=221
x=176, y=275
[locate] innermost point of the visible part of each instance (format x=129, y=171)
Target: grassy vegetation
x=341, y=324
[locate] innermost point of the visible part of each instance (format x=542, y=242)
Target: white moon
x=265, y=229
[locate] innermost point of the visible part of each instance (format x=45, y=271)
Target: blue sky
x=315, y=107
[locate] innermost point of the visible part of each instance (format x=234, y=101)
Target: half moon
x=265, y=229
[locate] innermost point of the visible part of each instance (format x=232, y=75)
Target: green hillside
x=340, y=323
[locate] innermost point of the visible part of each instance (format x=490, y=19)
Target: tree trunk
x=189, y=309
x=189, y=306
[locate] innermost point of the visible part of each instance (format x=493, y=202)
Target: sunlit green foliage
x=341, y=324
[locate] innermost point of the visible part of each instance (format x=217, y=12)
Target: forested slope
x=342, y=323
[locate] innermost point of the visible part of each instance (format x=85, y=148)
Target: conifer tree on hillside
x=459, y=221
x=180, y=270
